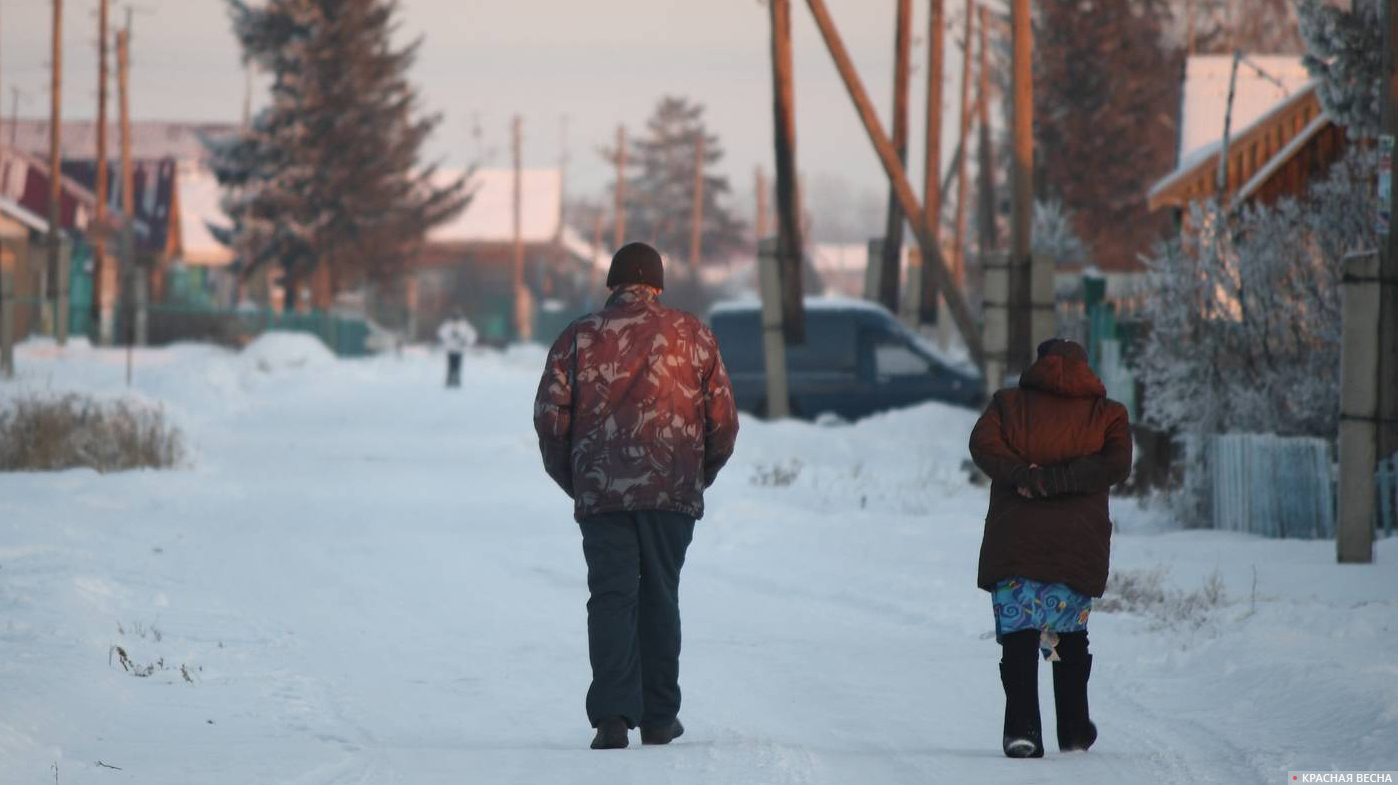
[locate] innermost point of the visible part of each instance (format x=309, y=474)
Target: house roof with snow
x=489, y=218
x=1263, y=81
x=199, y=210
x=1274, y=148
x=149, y=139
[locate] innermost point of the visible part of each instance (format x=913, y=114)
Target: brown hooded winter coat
x=635, y=411
x=1059, y=419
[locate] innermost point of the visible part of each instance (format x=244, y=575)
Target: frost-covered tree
x=1345, y=51
x=329, y=174
x=1053, y=236
x=1245, y=311
x=660, y=193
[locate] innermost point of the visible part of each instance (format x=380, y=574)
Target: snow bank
x=277, y=351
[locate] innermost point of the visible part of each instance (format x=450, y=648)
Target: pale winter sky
x=600, y=63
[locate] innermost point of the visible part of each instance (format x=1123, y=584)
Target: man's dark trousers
x=633, y=615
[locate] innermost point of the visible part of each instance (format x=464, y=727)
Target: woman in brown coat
x=1052, y=448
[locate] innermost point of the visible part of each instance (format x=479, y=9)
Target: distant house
x=1279, y=140
x=468, y=262
x=175, y=196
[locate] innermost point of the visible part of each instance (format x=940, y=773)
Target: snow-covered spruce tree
x=660, y=193
x=1345, y=51
x=1053, y=236
x=329, y=174
x=1245, y=313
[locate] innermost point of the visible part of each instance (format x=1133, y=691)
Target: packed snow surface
x=366, y=578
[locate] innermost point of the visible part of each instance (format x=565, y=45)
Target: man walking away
x=635, y=418
x=457, y=335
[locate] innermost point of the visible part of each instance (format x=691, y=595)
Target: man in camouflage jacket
x=635, y=418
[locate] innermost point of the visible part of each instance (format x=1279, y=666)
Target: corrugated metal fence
x=1271, y=485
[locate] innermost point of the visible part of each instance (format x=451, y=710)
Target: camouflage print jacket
x=635, y=410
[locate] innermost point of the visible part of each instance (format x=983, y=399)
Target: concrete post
x=773, y=341
x=1359, y=404
x=996, y=307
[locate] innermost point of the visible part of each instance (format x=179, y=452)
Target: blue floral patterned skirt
x=1051, y=608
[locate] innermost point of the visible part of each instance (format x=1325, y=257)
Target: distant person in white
x=457, y=335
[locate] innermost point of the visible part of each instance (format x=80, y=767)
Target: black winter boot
x=1070, y=675
x=611, y=734
x=666, y=733
x=1019, y=673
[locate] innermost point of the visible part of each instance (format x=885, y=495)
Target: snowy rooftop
x=1263, y=82
x=199, y=207
x=490, y=216
x=149, y=139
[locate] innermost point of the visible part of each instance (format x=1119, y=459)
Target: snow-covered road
x=369, y=579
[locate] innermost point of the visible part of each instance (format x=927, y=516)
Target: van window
x=832, y=339
x=896, y=359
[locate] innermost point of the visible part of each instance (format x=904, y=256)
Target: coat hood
x=1062, y=369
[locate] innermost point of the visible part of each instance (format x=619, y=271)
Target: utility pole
x=932, y=259
x=985, y=161
x=760, y=187
x=563, y=159
x=596, y=271
x=1369, y=348
x=105, y=280
x=892, y=249
x=7, y=308
x=790, y=252
x=135, y=281
x=1388, y=274
x=931, y=192
x=1021, y=189
x=619, y=208
x=696, y=238
x=958, y=242
x=522, y=322
x=247, y=85
x=56, y=263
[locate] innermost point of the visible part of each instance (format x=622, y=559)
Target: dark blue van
x=857, y=360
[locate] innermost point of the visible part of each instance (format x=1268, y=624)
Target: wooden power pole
x=56, y=263
x=7, y=308
x=1021, y=188
x=958, y=250
x=985, y=160
x=619, y=207
x=135, y=279
x=696, y=237
x=892, y=249
x=790, y=250
x=932, y=166
x=1369, y=345
x=105, y=280
x=760, y=187
x=1388, y=252
x=523, y=326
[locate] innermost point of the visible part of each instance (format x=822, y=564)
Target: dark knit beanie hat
x=636, y=263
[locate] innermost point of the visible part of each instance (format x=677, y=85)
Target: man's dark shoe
x=611, y=734
x=664, y=734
